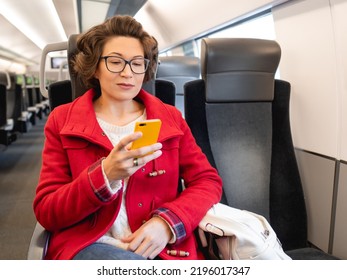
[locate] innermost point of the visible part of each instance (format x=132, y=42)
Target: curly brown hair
x=90, y=46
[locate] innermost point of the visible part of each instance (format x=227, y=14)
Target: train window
x=189, y=48
x=261, y=27
x=12, y=66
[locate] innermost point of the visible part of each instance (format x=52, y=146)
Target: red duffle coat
x=66, y=205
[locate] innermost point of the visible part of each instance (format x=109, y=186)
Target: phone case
x=150, y=132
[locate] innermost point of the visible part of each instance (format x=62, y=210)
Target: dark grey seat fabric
x=77, y=86
x=3, y=117
x=27, y=105
x=165, y=91
x=239, y=116
x=4, y=133
x=10, y=111
x=41, y=101
x=59, y=93
x=34, y=102
x=14, y=99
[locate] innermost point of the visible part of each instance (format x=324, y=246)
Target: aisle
x=20, y=165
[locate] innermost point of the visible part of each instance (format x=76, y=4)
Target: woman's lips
x=125, y=85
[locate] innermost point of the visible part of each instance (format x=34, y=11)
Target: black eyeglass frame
x=147, y=61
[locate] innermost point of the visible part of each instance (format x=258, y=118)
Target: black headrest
x=78, y=87
x=179, y=70
x=239, y=69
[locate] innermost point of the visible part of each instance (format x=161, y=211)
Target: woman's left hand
x=150, y=239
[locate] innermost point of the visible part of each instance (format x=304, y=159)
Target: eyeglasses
x=116, y=64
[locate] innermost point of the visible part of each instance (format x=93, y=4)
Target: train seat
x=6, y=125
x=23, y=119
x=65, y=91
x=29, y=111
x=3, y=117
x=59, y=93
x=10, y=108
x=26, y=117
x=179, y=70
x=239, y=115
x=164, y=90
x=34, y=103
x=40, y=101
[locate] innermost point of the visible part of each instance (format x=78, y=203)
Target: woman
x=99, y=198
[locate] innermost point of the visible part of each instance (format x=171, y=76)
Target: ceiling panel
x=15, y=45
x=49, y=21
x=93, y=12
x=68, y=14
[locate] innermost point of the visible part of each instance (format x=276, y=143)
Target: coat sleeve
x=60, y=200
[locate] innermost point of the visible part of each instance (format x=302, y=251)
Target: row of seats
x=239, y=116
x=20, y=106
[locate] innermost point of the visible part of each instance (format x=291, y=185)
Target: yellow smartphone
x=150, y=132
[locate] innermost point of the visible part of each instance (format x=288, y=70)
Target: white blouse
x=120, y=229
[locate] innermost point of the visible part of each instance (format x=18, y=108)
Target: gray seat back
x=13, y=98
x=179, y=70
x=239, y=77
x=239, y=116
x=3, y=106
x=77, y=86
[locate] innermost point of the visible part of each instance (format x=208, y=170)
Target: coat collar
x=81, y=119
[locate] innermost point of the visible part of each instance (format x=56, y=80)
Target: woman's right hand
x=123, y=162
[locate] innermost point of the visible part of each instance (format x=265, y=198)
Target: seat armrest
x=38, y=243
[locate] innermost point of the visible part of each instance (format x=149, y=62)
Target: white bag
x=229, y=233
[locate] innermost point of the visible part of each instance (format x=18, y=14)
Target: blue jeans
x=102, y=251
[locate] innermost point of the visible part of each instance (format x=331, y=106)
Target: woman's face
x=124, y=85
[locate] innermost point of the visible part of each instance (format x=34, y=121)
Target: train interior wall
x=313, y=40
